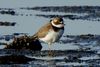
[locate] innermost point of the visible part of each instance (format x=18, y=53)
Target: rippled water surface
x=78, y=47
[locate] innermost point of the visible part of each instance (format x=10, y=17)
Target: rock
x=10, y=12
x=25, y=42
x=15, y=59
x=2, y=23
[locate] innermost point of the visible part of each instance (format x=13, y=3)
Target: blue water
x=27, y=22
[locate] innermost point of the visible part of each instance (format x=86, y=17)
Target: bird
x=51, y=32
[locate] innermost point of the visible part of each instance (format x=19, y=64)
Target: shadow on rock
x=15, y=59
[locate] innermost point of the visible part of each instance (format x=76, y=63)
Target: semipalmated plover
x=52, y=31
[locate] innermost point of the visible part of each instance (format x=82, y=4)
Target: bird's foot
x=50, y=53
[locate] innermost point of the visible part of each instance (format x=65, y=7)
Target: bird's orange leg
x=50, y=53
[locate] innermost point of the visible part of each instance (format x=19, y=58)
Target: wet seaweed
x=2, y=23
x=90, y=17
x=6, y=8
x=11, y=36
x=71, y=9
x=9, y=12
x=14, y=59
x=80, y=38
x=25, y=42
x=92, y=12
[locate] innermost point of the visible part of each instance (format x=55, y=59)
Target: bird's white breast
x=52, y=36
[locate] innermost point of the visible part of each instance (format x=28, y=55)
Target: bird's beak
x=62, y=25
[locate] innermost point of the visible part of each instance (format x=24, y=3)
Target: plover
x=51, y=32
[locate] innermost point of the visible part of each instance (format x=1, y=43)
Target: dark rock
x=34, y=45
x=15, y=59
x=17, y=34
x=7, y=23
x=8, y=37
x=25, y=42
x=72, y=9
x=86, y=36
x=10, y=12
x=13, y=24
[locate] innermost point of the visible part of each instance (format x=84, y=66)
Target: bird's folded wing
x=43, y=31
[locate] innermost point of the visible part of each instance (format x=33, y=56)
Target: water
x=79, y=45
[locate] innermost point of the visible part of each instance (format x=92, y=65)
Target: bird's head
x=57, y=22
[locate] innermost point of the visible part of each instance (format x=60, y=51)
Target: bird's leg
x=50, y=51
x=49, y=47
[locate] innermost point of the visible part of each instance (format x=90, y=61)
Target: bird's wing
x=43, y=31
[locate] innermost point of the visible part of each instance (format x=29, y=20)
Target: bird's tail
x=34, y=37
